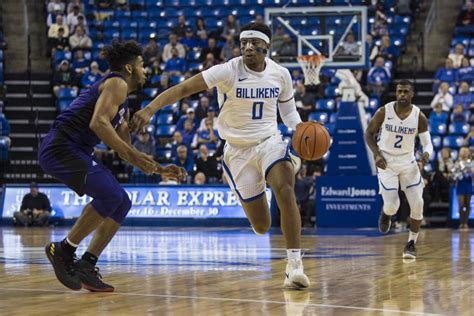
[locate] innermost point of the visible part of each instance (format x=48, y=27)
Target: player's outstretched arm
x=425, y=138
x=188, y=87
x=114, y=93
x=371, y=135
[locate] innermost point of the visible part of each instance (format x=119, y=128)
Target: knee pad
x=107, y=203
x=391, y=202
x=122, y=211
x=415, y=200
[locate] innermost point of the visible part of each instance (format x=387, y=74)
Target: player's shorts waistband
x=234, y=143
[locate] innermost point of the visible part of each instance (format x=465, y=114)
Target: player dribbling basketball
x=251, y=88
x=397, y=124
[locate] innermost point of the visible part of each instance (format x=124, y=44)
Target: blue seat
x=63, y=104
x=325, y=105
x=165, y=131
x=330, y=127
x=176, y=79
x=331, y=91
x=333, y=118
x=4, y=125
x=164, y=153
x=4, y=149
x=67, y=93
x=322, y=117
x=459, y=128
x=139, y=15
x=438, y=129
x=285, y=131
x=437, y=142
x=374, y=104
x=165, y=119
x=129, y=35
x=151, y=92
x=111, y=34
x=151, y=129
x=173, y=108
x=111, y=25
x=453, y=141
x=155, y=79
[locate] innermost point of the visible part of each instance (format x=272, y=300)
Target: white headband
x=255, y=34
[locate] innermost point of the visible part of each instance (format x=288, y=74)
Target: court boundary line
x=222, y=299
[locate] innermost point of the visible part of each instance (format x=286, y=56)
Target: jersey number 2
x=257, y=111
x=399, y=139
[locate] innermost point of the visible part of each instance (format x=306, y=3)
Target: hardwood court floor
x=229, y=271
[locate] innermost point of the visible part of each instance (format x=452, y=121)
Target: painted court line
x=232, y=300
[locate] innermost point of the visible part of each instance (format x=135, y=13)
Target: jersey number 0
x=257, y=110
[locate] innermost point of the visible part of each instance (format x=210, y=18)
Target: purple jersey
x=75, y=120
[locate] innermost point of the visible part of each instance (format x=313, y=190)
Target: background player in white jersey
x=250, y=90
x=397, y=125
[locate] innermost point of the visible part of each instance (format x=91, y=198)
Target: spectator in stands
x=463, y=175
x=466, y=72
x=188, y=132
x=465, y=97
x=154, y=70
x=201, y=109
x=211, y=115
x=60, y=43
x=211, y=48
x=304, y=185
x=180, y=29
x=207, y=164
x=189, y=41
x=81, y=22
x=80, y=40
x=469, y=139
x=304, y=101
x=236, y=52
x=63, y=77
x=259, y=19
x=202, y=41
x=54, y=28
x=184, y=160
x=58, y=10
x=458, y=115
x=178, y=141
x=438, y=116
x=466, y=17
x=80, y=63
x=152, y=51
x=287, y=49
x=145, y=144
x=444, y=97
x=226, y=52
x=105, y=4
x=405, y=7
x=442, y=176
x=71, y=19
x=380, y=27
x=74, y=3
x=102, y=62
x=446, y=73
x=372, y=48
x=378, y=77
x=200, y=178
x=387, y=50
x=121, y=4
x=190, y=115
x=277, y=38
x=175, y=66
x=207, y=135
x=91, y=76
x=55, y=5
x=297, y=76
x=209, y=62
x=201, y=27
x=231, y=27
x=173, y=43
x=457, y=56
x=164, y=83
x=351, y=47
x=35, y=209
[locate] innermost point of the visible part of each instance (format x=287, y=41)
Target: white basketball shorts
x=401, y=170
x=246, y=167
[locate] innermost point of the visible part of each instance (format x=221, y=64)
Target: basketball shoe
x=91, y=278
x=385, y=221
x=294, y=276
x=63, y=266
x=410, y=250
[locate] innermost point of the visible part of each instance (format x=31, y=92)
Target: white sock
x=293, y=253
x=71, y=243
x=412, y=236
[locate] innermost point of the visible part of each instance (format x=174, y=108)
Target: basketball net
x=311, y=65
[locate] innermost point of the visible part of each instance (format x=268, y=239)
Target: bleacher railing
x=430, y=22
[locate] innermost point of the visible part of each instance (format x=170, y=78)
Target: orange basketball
x=311, y=140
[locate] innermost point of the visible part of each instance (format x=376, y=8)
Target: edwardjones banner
x=147, y=201
x=347, y=201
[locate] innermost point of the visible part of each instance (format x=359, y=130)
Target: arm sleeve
x=425, y=140
x=288, y=113
x=222, y=75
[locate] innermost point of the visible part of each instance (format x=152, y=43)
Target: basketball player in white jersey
x=397, y=124
x=250, y=90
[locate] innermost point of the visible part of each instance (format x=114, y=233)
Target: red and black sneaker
x=91, y=278
x=63, y=266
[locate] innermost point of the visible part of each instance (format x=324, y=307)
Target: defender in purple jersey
x=66, y=153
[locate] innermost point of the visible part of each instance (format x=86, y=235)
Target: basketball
x=311, y=140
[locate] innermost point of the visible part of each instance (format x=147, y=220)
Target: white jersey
x=397, y=137
x=248, y=99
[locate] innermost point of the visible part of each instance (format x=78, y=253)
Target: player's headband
x=255, y=34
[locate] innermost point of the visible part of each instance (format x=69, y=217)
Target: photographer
x=35, y=209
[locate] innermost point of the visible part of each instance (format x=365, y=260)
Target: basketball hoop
x=311, y=65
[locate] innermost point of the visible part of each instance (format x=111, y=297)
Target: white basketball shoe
x=294, y=276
